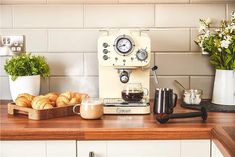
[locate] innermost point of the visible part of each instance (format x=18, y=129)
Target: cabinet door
x=215, y=151
x=195, y=148
x=85, y=148
x=61, y=148
x=159, y=148
x=23, y=149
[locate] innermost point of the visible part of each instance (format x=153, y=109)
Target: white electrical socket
x=10, y=45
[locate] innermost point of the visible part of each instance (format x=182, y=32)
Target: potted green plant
x=24, y=73
x=219, y=44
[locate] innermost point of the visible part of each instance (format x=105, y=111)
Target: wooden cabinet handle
x=91, y=154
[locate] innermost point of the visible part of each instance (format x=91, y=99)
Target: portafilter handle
x=163, y=118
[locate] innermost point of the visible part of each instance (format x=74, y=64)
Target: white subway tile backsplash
x=48, y=16
x=231, y=8
x=73, y=40
x=2, y=63
x=172, y=1
x=64, y=1
x=169, y=39
x=153, y=1
x=82, y=1
x=168, y=82
x=211, y=1
x=91, y=64
x=4, y=88
x=187, y=15
x=65, y=63
x=87, y=85
x=100, y=1
x=36, y=40
x=194, y=46
x=66, y=33
x=183, y=64
x=23, y=1
x=203, y=82
x=119, y=16
x=44, y=89
x=152, y=61
x=137, y=1
x=6, y=17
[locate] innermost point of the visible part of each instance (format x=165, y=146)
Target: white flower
x=208, y=21
x=229, y=38
x=225, y=43
x=233, y=15
x=219, y=49
x=202, y=27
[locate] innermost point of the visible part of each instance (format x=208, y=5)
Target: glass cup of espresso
x=134, y=92
x=90, y=108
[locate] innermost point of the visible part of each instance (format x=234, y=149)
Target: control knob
x=142, y=54
x=124, y=76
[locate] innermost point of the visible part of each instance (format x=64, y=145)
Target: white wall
x=66, y=32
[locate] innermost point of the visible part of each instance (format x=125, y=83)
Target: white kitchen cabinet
x=23, y=149
x=153, y=148
x=65, y=148
x=146, y=148
x=122, y=148
x=38, y=148
x=215, y=152
x=84, y=148
x=195, y=148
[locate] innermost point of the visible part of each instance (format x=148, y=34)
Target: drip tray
x=119, y=106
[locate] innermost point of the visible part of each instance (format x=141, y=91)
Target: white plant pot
x=224, y=87
x=25, y=84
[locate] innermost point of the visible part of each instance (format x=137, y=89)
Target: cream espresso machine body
x=124, y=57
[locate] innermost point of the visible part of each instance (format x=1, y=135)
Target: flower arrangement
x=218, y=43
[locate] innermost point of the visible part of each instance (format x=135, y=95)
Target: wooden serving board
x=41, y=114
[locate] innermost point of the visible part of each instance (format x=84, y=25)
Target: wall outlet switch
x=10, y=45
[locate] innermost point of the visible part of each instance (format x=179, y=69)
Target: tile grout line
x=83, y=16
x=154, y=15
x=13, y=16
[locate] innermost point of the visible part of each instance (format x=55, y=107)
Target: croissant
x=41, y=102
x=24, y=100
x=69, y=98
x=52, y=97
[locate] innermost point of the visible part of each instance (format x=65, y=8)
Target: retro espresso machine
x=124, y=59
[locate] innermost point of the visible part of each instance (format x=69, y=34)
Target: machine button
x=105, y=51
x=18, y=49
x=142, y=54
x=105, y=57
x=105, y=45
x=13, y=49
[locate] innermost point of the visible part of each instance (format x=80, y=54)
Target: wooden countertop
x=220, y=127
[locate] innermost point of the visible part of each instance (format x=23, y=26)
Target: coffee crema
x=132, y=95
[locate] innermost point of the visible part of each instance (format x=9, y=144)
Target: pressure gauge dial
x=124, y=45
x=142, y=54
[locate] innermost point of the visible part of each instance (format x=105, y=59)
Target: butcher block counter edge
x=221, y=134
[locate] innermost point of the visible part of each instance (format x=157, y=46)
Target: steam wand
x=163, y=118
x=154, y=70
